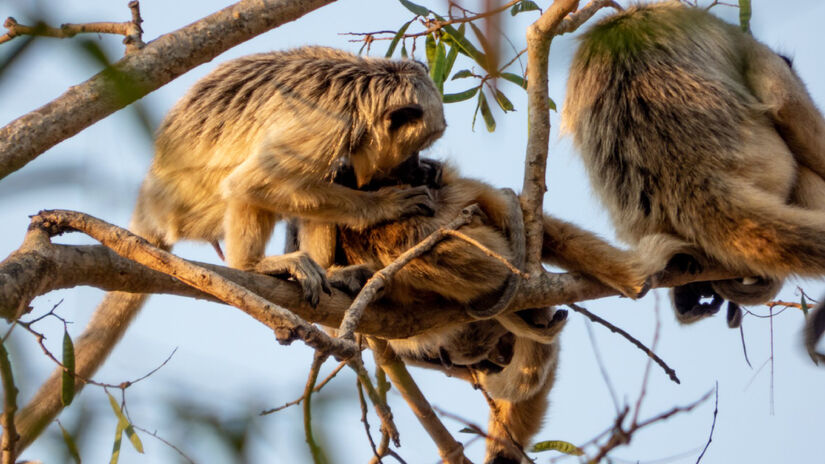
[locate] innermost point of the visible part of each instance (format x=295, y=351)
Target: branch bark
x=539, y=36
x=160, y=61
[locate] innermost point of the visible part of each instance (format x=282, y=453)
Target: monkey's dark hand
x=349, y=279
x=405, y=201
x=302, y=268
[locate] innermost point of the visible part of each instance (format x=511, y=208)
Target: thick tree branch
x=160, y=61
x=539, y=35
x=287, y=325
x=39, y=267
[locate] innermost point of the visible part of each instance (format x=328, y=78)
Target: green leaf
x=557, y=445
x=67, y=378
x=551, y=104
x=456, y=38
x=485, y=45
x=523, y=6
x=429, y=48
x=440, y=63
x=396, y=38
x=503, y=102
x=804, y=305
x=470, y=430
x=404, y=51
x=462, y=74
x=70, y=444
x=745, y=15
x=123, y=421
x=116, y=445
x=489, y=121
x=515, y=79
x=450, y=61
x=460, y=96
x=415, y=8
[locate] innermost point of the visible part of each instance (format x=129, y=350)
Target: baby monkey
x=512, y=356
x=259, y=138
x=691, y=129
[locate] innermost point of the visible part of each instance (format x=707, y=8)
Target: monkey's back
x=659, y=107
x=301, y=111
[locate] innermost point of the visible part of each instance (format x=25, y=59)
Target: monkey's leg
x=520, y=394
x=578, y=250
x=541, y=325
x=247, y=229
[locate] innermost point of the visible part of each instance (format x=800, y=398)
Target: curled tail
x=107, y=325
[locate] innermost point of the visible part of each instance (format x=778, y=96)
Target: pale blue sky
x=226, y=358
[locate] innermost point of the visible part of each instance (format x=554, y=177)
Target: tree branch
x=160, y=61
x=539, y=35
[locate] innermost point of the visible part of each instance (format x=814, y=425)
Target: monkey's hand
x=349, y=279
x=403, y=201
x=300, y=267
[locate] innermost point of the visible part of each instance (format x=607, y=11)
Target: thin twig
x=646, y=376
x=315, y=390
x=744, y=347
x=380, y=279
x=382, y=409
x=164, y=441
x=668, y=370
x=713, y=425
x=10, y=437
x=376, y=457
x=457, y=234
x=602, y=369
x=451, y=451
x=770, y=310
x=496, y=413
x=316, y=451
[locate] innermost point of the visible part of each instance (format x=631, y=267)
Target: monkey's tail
x=109, y=321
x=755, y=233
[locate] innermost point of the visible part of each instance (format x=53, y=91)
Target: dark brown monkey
x=690, y=128
x=259, y=138
x=513, y=356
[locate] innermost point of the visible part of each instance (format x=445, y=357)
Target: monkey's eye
x=403, y=115
x=788, y=60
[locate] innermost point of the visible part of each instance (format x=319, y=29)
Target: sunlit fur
x=690, y=128
x=259, y=138
x=519, y=371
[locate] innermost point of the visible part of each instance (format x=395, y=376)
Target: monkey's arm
x=795, y=115
x=270, y=183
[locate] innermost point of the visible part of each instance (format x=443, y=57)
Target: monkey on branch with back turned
x=512, y=356
x=691, y=129
x=259, y=138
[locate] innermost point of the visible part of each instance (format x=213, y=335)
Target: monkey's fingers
x=409, y=201
x=298, y=265
x=349, y=279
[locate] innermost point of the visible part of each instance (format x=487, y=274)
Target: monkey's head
x=401, y=114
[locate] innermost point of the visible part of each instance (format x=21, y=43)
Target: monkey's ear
x=402, y=115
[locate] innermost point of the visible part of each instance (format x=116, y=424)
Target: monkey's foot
x=299, y=266
x=687, y=301
x=541, y=325
x=349, y=279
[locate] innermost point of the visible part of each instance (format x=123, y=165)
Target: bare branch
x=287, y=325
x=315, y=450
x=574, y=20
x=668, y=370
x=160, y=61
x=10, y=437
x=539, y=35
x=712, y=425
x=451, y=451
x=315, y=390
